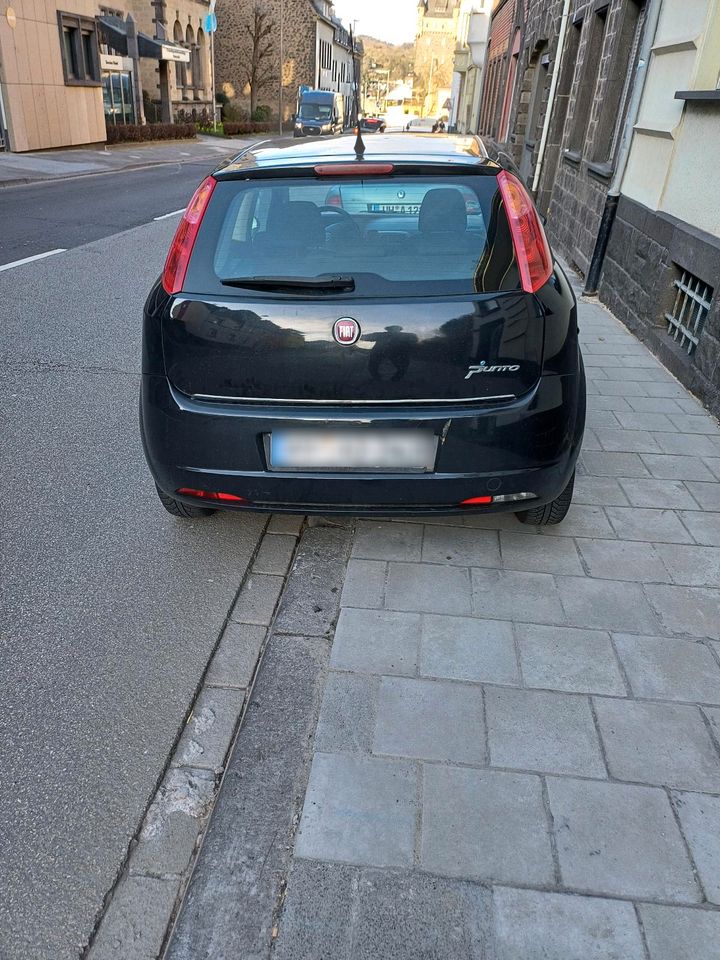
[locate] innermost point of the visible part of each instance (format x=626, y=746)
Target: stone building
x=316, y=52
x=661, y=272
x=435, y=40
x=610, y=110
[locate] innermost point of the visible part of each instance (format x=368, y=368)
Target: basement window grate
x=691, y=307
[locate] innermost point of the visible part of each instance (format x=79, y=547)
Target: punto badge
x=346, y=331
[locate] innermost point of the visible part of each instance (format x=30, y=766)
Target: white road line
x=38, y=256
x=173, y=214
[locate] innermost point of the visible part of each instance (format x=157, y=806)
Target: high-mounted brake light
x=531, y=247
x=360, y=167
x=178, y=256
x=209, y=495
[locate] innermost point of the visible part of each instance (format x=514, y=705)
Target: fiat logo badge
x=346, y=331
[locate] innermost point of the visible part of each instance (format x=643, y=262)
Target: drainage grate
x=690, y=309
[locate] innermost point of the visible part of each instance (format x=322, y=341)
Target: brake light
x=178, y=256
x=361, y=167
x=209, y=495
x=475, y=501
x=333, y=198
x=531, y=247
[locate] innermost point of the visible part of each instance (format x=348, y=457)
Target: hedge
x=244, y=127
x=136, y=133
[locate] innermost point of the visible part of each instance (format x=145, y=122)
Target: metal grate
x=689, y=311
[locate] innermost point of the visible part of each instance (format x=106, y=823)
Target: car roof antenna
x=359, y=145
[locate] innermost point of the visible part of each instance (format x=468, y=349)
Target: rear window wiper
x=292, y=283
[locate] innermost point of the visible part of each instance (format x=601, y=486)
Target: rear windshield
x=395, y=236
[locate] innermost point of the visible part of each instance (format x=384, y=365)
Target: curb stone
x=140, y=908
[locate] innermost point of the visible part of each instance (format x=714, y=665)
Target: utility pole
x=282, y=59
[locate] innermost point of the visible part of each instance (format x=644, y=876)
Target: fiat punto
x=413, y=350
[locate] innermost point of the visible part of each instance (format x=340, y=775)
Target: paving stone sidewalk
x=518, y=749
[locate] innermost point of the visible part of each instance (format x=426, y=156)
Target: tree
x=259, y=69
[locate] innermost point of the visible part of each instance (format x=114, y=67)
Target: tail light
x=333, y=198
x=178, y=256
x=531, y=247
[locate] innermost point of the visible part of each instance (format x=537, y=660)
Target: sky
x=391, y=20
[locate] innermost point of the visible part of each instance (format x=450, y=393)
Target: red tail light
x=178, y=256
x=208, y=495
x=531, y=247
x=475, y=501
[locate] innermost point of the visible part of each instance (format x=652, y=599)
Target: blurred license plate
x=394, y=207
x=352, y=450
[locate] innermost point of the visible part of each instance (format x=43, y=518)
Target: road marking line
x=38, y=256
x=173, y=214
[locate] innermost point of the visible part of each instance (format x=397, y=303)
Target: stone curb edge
x=142, y=903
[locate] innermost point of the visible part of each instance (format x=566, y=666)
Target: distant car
x=395, y=355
x=372, y=125
x=421, y=124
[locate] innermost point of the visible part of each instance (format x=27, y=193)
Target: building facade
x=610, y=110
x=468, y=63
x=317, y=52
x=498, y=80
x=435, y=41
x=50, y=77
x=661, y=272
x=68, y=68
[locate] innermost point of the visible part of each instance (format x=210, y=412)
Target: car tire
x=178, y=509
x=550, y=513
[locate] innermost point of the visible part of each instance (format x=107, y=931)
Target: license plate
x=394, y=207
x=352, y=450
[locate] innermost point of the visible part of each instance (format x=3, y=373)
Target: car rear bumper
x=528, y=445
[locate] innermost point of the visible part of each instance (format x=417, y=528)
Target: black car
x=372, y=125
x=404, y=356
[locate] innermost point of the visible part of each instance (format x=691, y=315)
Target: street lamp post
x=282, y=58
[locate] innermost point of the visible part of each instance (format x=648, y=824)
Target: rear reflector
x=361, y=168
x=209, y=495
x=501, y=498
x=531, y=247
x=178, y=256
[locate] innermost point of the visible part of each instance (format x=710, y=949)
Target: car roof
x=411, y=148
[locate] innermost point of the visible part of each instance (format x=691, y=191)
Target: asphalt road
x=67, y=213
x=110, y=608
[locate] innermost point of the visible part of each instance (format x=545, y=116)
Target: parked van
x=322, y=113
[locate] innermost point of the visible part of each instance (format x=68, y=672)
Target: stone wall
x=646, y=253
x=580, y=188
x=233, y=47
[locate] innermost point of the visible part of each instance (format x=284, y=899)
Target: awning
x=114, y=31
x=156, y=49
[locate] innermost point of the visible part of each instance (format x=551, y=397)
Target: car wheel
x=553, y=512
x=181, y=510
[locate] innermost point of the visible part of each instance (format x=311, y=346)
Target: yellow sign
x=10, y=17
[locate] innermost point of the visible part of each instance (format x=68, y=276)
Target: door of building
x=4, y=145
x=117, y=84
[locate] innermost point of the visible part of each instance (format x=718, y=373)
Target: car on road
x=372, y=125
x=421, y=125
x=399, y=354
